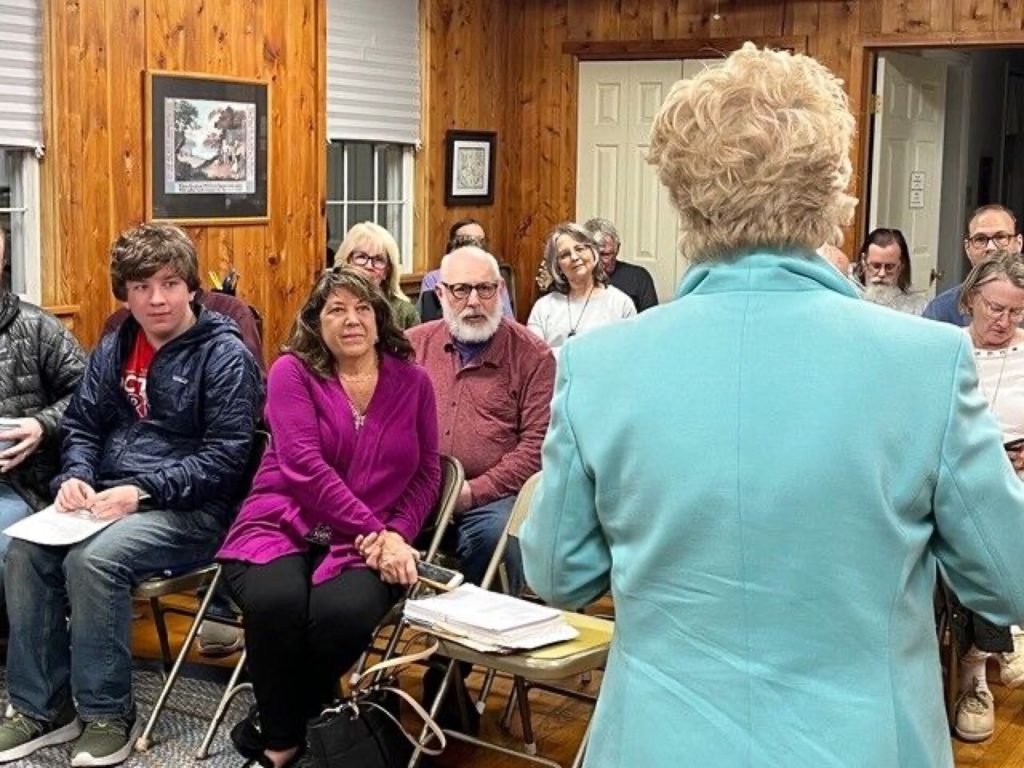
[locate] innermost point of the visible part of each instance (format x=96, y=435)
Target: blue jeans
x=477, y=534
x=50, y=658
x=12, y=509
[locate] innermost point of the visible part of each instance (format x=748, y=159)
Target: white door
x=906, y=159
x=617, y=104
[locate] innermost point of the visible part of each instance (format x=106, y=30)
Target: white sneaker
x=1011, y=670
x=975, y=713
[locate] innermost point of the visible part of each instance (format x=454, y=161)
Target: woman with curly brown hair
x=354, y=458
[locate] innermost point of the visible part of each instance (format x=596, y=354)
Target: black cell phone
x=1014, y=445
x=444, y=577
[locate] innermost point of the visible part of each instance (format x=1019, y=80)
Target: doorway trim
x=863, y=53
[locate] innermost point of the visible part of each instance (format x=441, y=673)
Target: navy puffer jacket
x=192, y=449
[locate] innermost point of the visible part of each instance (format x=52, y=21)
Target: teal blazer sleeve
x=565, y=555
x=976, y=528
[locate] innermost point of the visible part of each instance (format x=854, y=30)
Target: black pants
x=301, y=638
x=970, y=629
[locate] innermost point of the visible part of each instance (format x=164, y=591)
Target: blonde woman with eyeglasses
x=373, y=251
x=993, y=299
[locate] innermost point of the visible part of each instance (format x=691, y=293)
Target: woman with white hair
x=373, y=251
x=581, y=299
x=768, y=524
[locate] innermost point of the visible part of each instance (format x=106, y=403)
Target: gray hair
x=476, y=251
x=1001, y=264
x=580, y=235
x=602, y=228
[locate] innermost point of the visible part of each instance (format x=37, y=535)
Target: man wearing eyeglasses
x=990, y=228
x=493, y=379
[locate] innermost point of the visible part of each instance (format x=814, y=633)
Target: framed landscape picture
x=206, y=149
x=469, y=168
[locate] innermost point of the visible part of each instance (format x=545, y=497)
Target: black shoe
x=247, y=736
x=451, y=715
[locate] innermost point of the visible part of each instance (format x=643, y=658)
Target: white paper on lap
x=53, y=528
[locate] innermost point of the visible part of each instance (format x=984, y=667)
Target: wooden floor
x=559, y=722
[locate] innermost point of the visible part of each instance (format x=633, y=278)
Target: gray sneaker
x=107, y=741
x=20, y=735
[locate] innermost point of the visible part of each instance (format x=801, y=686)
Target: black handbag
x=364, y=729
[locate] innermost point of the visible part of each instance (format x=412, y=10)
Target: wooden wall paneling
x=940, y=16
x=689, y=19
x=906, y=16
x=973, y=15
x=871, y=16
x=98, y=53
x=802, y=17
x=636, y=19
x=1009, y=17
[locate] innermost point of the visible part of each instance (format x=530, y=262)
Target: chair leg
x=529, y=743
x=485, y=690
x=510, y=706
x=232, y=690
x=435, y=707
x=582, y=750
x=142, y=744
x=161, y=632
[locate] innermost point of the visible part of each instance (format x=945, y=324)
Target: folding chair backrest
x=452, y=477
x=522, y=505
x=515, y=520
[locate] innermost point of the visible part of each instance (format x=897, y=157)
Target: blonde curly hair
x=755, y=154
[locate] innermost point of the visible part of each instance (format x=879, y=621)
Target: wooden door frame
x=863, y=54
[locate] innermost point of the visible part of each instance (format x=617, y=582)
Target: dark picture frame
x=207, y=142
x=469, y=167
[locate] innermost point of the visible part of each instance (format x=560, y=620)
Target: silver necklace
x=568, y=309
x=358, y=418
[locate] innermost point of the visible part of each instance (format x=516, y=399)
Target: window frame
x=405, y=201
x=25, y=254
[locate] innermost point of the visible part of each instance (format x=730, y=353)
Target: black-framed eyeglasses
x=362, y=259
x=999, y=239
x=462, y=291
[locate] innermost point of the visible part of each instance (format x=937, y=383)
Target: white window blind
x=21, y=73
x=373, y=70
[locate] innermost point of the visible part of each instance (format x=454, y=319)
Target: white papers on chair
x=56, y=529
x=490, y=620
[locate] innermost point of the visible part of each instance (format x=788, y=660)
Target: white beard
x=471, y=334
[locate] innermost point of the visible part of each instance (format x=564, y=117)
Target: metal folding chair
x=543, y=667
x=153, y=590
x=452, y=476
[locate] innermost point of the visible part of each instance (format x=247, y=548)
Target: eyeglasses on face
x=995, y=311
x=362, y=259
x=874, y=266
x=461, y=291
x=980, y=241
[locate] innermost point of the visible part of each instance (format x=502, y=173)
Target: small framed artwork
x=206, y=149
x=469, y=168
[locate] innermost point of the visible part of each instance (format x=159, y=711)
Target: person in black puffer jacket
x=40, y=366
x=157, y=439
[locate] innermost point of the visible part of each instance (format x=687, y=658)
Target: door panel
x=906, y=167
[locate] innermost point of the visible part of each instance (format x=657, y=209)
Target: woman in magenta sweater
x=354, y=457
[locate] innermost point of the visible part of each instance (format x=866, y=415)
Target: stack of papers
x=489, y=621
x=53, y=528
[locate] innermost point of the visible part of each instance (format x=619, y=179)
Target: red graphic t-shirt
x=136, y=368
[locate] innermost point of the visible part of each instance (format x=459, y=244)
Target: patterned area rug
x=178, y=732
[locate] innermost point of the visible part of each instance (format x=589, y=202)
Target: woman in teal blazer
x=769, y=503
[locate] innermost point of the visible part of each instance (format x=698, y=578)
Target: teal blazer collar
x=765, y=271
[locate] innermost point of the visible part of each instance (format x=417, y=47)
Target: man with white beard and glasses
x=493, y=380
